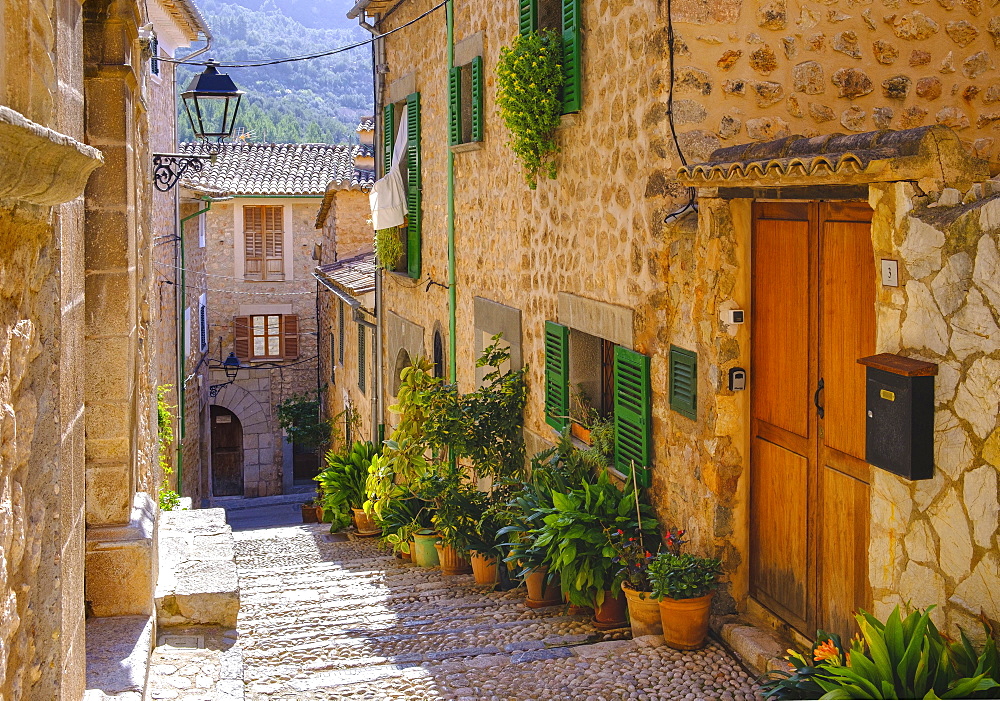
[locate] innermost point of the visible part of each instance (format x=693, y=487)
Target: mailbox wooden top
x=900, y=365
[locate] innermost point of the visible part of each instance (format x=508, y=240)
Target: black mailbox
x=899, y=431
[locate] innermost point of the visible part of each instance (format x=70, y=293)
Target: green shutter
x=633, y=414
x=684, y=382
x=413, y=185
x=361, y=358
x=455, y=105
x=527, y=16
x=477, y=98
x=556, y=375
x=388, y=134
x=572, y=71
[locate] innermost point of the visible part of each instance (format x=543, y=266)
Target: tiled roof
x=355, y=276
x=279, y=169
x=367, y=124
x=874, y=156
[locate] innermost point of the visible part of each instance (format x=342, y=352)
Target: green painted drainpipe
x=452, y=302
x=182, y=348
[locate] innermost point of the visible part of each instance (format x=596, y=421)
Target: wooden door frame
x=817, y=449
x=211, y=454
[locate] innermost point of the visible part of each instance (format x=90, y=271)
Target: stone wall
x=230, y=296
x=935, y=541
x=759, y=72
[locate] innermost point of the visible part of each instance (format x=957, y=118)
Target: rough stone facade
x=260, y=386
x=593, y=245
x=76, y=391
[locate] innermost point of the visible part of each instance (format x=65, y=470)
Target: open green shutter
x=572, y=70
x=633, y=414
x=477, y=98
x=556, y=375
x=388, y=129
x=527, y=16
x=455, y=105
x=684, y=382
x=413, y=185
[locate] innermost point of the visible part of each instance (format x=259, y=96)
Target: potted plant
x=582, y=414
x=575, y=534
x=684, y=585
x=309, y=512
x=523, y=552
x=632, y=558
x=342, y=487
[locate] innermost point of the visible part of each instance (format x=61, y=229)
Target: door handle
x=819, y=407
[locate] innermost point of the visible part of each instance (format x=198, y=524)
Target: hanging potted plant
x=684, y=585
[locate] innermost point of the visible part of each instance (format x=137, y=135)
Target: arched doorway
x=227, y=453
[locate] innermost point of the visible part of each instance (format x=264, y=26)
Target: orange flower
x=825, y=651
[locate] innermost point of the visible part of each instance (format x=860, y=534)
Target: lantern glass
x=232, y=366
x=211, y=102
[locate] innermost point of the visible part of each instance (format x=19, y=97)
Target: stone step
x=118, y=652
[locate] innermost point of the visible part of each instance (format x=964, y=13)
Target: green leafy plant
x=575, y=534
x=581, y=409
x=401, y=519
x=388, y=248
x=909, y=659
x=683, y=576
x=299, y=416
x=342, y=482
x=167, y=497
x=602, y=443
x=801, y=680
x=529, y=85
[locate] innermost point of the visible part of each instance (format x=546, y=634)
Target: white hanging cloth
x=388, y=195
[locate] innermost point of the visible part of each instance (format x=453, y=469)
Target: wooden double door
x=227, y=453
x=813, y=316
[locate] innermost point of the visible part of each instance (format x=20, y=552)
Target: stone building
x=700, y=175
x=78, y=473
x=259, y=302
x=346, y=273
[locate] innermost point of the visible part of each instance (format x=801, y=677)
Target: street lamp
x=232, y=367
x=211, y=102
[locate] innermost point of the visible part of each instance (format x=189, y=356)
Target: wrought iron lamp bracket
x=213, y=390
x=168, y=168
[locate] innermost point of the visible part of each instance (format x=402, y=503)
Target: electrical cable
x=692, y=193
x=308, y=57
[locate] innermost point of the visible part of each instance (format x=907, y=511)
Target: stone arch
x=402, y=361
x=258, y=436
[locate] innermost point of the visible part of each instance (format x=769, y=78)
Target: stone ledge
x=118, y=653
x=198, y=581
x=39, y=165
x=758, y=649
x=120, y=563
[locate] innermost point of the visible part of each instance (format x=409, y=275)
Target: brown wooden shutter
x=241, y=337
x=290, y=329
x=274, y=243
x=253, y=240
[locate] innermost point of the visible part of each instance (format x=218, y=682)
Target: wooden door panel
x=780, y=317
x=842, y=561
x=778, y=535
x=847, y=331
x=227, y=453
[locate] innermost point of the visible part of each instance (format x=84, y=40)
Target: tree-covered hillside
x=319, y=100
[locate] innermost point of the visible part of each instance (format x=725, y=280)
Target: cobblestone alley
x=342, y=620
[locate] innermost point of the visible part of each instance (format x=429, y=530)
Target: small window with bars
x=362, y=385
x=340, y=332
x=154, y=57
x=203, y=322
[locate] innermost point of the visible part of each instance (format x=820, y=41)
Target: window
x=684, y=382
x=341, y=332
x=361, y=358
x=438, y=355
x=616, y=382
x=333, y=358
x=564, y=17
x=266, y=337
x=264, y=242
x=201, y=231
x=391, y=116
x=154, y=58
x=465, y=94
x=203, y=322
x=187, y=332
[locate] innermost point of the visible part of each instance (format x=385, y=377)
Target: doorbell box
x=732, y=316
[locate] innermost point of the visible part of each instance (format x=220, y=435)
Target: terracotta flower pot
x=685, y=621
x=643, y=612
x=580, y=432
x=611, y=612
x=451, y=561
x=537, y=598
x=484, y=568
x=424, y=553
x=364, y=523
x=309, y=513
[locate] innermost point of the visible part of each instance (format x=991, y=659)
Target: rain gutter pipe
x=452, y=301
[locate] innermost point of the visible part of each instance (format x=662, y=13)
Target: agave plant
x=342, y=483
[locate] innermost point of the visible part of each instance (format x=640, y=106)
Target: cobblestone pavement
x=341, y=620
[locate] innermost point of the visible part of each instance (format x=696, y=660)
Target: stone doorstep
x=238, y=504
x=118, y=654
x=757, y=648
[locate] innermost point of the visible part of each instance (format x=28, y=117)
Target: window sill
x=470, y=146
x=569, y=120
